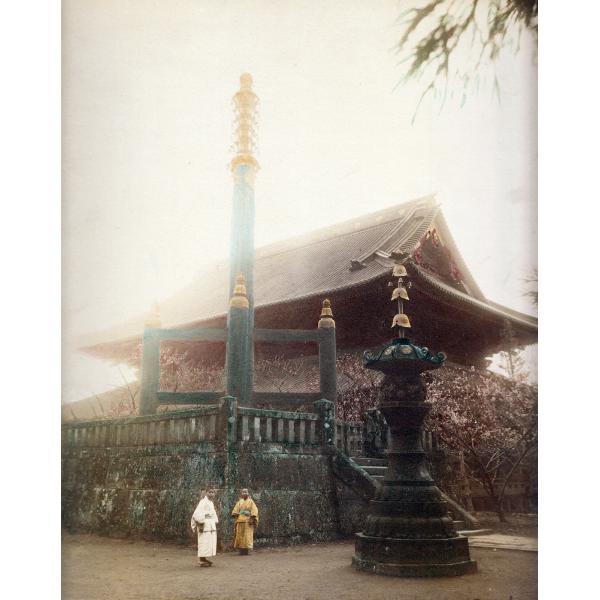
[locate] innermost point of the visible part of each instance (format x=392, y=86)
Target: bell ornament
x=399, y=271
x=401, y=320
x=400, y=292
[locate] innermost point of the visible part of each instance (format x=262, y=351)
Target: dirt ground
x=516, y=524
x=97, y=568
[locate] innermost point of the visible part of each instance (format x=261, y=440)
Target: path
x=96, y=568
x=504, y=542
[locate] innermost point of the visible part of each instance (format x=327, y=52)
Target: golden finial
x=153, y=317
x=399, y=271
x=401, y=320
x=326, y=319
x=239, y=299
x=245, y=101
x=400, y=292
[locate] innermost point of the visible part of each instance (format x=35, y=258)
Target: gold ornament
x=239, y=298
x=326, y=319
x=401, y=320
x=399, y=271
x=245, y=101
x=153, y=317
x=400, y=292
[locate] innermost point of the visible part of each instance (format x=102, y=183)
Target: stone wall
x=141, y=476
x=294, y=493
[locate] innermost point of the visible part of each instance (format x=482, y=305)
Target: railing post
x=226, y=428
x=227, y=435
x=150, y=372
x=325, y=409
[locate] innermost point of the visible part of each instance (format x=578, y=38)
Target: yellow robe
x=244, y=524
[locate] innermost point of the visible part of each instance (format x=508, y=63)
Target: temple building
x=280, y=417
x=349, y=263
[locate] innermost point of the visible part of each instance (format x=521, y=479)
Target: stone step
x=460, y=525
x=365, y=461
x=475, y=532
x=375, y=470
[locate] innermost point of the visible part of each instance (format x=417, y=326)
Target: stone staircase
x=376, y=468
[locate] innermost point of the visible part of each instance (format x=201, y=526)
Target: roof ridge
x=335, y=230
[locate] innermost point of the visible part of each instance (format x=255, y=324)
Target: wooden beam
x=198, y=335
x=289, y=335
x=276, y=414
x=300, y=397
x=188, y=397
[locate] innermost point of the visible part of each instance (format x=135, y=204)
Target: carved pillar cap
x=240, y=296
x=153, y=317
x=326, y=319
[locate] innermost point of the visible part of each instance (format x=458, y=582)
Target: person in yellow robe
x=245, y=512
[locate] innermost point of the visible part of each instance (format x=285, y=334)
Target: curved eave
x=423, y=280
x=320, y=294
x=526, y=322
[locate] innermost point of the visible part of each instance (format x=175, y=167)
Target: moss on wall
x=151, y=491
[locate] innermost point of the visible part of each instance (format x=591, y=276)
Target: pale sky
x=147, y=122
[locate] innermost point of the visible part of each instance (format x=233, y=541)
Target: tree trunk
x=499, y=509
x=470, y=521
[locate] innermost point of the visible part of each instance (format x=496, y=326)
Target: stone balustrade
x=202, y=425
x=183, y=427
x=349, y=437
x=273, y=426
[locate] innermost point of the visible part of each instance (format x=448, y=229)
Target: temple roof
x=327, y=260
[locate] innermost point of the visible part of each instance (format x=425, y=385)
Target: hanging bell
x=399, y=271
x=400, y=320
x=400, y=292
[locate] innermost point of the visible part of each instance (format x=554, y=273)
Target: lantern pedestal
x=408, y=531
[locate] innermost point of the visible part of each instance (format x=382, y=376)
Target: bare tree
x=532, y=282
x=490, y=419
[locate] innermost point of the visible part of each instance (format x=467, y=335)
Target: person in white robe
x=204, y=523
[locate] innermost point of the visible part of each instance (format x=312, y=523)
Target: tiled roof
x=443, y=289
x=317, y=263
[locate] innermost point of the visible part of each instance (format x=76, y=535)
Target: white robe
x=207, y=540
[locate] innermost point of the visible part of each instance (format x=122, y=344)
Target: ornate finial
x=326, y=319
x=245, y=101
x=401, y=320
x=400, y=293
x=401, y=357
x=399, y=271
x=153, y=317
x=239, y=298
